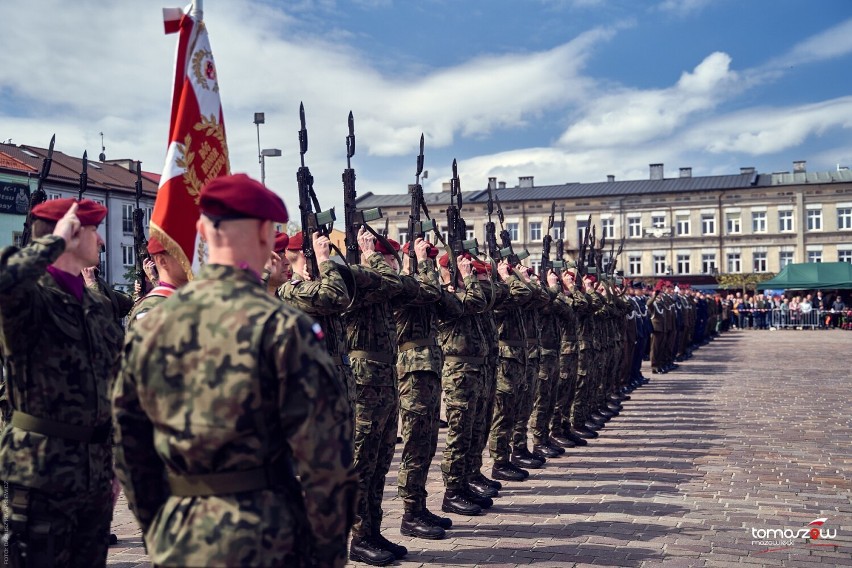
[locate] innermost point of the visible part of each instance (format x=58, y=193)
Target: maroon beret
x=295, y=242
x=481, y=267
x=155, y=246
x=88, y=212
x=444, y=261
x=281, y=241
x=240, y=197
x=432, y=251
x=380, y=246
x=591, y=278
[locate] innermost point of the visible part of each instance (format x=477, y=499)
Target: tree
x=742, y=281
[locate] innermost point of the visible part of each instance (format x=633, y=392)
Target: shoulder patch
x=317, y=329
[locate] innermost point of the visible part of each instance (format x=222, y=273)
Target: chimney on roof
x=747, y=170
x=686, y=172
x=799, y=166
x=525, y=181
x=492, y=183
x=656, y=171
x=610, y=178
x=501, y=185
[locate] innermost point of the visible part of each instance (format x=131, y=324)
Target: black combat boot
x=507, y=472
x=443, y=522
x=481, y=489
x=483, y=502
x=366, y=551
x=419, y=526
x=489, y=482
x=561, y=441
x=543, y=452
x=522, y=457
x=397, y=550
x=456, y=501
x=575, y=437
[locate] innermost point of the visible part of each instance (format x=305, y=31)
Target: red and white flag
x=197, y=150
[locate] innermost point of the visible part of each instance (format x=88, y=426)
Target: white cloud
x=831, y=43
x=682, y=7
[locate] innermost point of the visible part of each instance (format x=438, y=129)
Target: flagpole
x=197, y=11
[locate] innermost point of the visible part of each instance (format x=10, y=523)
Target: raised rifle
x=417, y=228
x=581, y=252
x=314, y=220
x=491, y=230
x=617, y=254
x=38, y=196
x=140, y=243
x=505, y=238
x=545, y=247
x=84, y=176
x=559, y=263
x=353, y=218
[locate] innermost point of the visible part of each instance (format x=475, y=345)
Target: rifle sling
x=377, y=356
x=86, y=434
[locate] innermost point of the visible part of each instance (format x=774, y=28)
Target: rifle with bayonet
x=581, y=252
x=84, y=176
x=353, y=218
x=418, y=228
x=38, y=196
x=617, y=254
x=314, y=219
x=546, y=264
x=559, y=263
x=506, y=251
x=140, y=243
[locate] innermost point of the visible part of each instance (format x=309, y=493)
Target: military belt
x=209, y=484
x=378, y=356
x=425, y=342
x=532, y=342
x=86, y=434
x=463, y=359
x=512, y=343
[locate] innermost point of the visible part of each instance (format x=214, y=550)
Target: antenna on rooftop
x=102, y=157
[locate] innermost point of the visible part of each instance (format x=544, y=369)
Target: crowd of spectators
x=788, y=311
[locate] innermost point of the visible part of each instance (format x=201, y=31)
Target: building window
x=708, y=224
x=513, y=230
x=785, y=258
x=535, y=231
x=608, y=228
x=734, y=262
x=634, y=265
x=683, y=228
x=634, y=227
x=683, y=264
x=658, y=221
x=468, y=235
x=759, y=261
x=758, y=222
x=844, y=218
x=558, y=230
x=127, y=256
x=17, y=236
x=814, y=256
x=582, y=227
x=102, y=264
x=659, y=264
x=815, y=219
x=54, y=196
x=844, y=256
x=127, y=219
x=708, y=263
x=733, y=224
x=403, y=237
x=785, y=221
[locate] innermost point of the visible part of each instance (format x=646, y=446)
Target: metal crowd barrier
x=777, y=318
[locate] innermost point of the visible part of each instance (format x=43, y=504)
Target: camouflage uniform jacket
x=226, y=378
x=532, y=317
x=587, y=323
x=142, y=307
x=416, y=322
x=570, y=306
x=494, y=293
x=60, y=356
x=460, y=333
x=324, y=300
x=370, y=327
x=549, y=324
x=511, y=331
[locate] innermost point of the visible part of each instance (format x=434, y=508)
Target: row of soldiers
x=246, y=432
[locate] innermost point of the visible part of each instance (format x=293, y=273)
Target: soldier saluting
x=225, y=394
x=60, y=342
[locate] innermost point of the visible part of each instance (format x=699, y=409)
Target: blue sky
x=564, y=90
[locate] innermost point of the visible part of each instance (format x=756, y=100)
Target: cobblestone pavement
x=753, y=433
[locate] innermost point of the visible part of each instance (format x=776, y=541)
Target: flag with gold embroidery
x=197, y=150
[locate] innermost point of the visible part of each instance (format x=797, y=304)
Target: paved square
x=754, y=433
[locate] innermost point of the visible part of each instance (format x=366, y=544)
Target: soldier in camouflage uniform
x=60, y=343
x=418, y=366
x=171, y=277
x=225, y=395
x=371, y=339
x=588, y=361
x=324, y=298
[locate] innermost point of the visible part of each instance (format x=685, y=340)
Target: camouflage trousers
x=376, y=419
x=56, y=529
x=545, y=397
x=462, y=385
x=566, y=391
x=348, y=379
x=580, y=406
x=524, y=400
x=419, y=409
x=482, y=416
x=509, y=373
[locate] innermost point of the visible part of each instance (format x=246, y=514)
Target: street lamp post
x=267, y=153
x=259, y=118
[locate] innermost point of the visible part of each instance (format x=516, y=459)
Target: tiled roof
x=66, y=169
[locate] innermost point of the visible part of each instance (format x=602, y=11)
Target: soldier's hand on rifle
x=568, y=280
x=503, y=269
x=68, y=228
x=421, y=249
x=89, y=276
x=321, y=247
x=367, y=244
x=150, y=269
x=552, y=278
x=465, y=266
x=522, y=270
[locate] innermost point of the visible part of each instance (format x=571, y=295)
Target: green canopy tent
x=811, y=276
